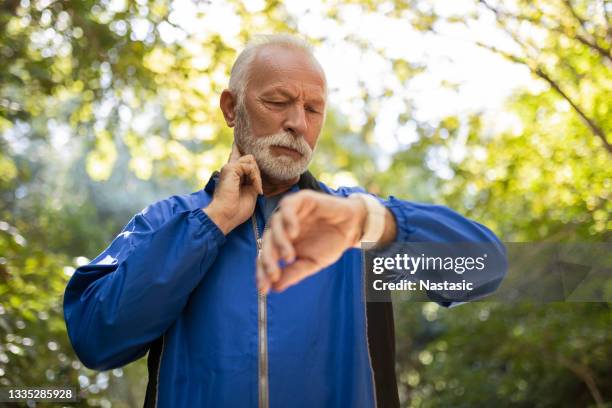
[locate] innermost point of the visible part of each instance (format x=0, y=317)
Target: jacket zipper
x=262, y=329
x=262, y=332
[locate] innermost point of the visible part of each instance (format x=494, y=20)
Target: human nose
x=295, y=122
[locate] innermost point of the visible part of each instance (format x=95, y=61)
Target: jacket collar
x=306, y=182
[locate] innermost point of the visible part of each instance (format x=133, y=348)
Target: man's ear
x=228, y=107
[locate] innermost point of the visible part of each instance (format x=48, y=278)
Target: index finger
x=235, y=154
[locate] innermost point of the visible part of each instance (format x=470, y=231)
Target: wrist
x=360, y=215
x=218, y=218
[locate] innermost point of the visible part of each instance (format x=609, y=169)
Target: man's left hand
x=309, y=231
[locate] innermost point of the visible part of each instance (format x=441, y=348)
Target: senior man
x=236, y=314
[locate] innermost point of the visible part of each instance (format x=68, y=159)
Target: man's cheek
x=264, y=127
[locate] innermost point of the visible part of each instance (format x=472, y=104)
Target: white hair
x=240, y=73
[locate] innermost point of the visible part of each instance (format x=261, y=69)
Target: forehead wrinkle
x=303, y=90
x=290, y=91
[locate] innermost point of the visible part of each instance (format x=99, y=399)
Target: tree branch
x=560, y=29
x=590, y=123
x=604, y=53
x=538, y=71
x=586, y=375
x=572, y=10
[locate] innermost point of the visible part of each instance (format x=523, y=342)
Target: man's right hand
x=236, y=192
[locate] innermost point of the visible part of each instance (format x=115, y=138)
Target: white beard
x=282, y=167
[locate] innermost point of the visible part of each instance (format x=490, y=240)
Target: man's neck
x=272, y=187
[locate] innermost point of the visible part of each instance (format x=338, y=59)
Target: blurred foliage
x=106, y=106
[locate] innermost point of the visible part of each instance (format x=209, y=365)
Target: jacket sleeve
x=418, y=222
x=130, y=294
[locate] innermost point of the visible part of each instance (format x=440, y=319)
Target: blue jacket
x=173, y=285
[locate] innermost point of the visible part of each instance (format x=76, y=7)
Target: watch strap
x=375, y=218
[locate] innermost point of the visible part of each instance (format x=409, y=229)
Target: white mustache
x=286, y=139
